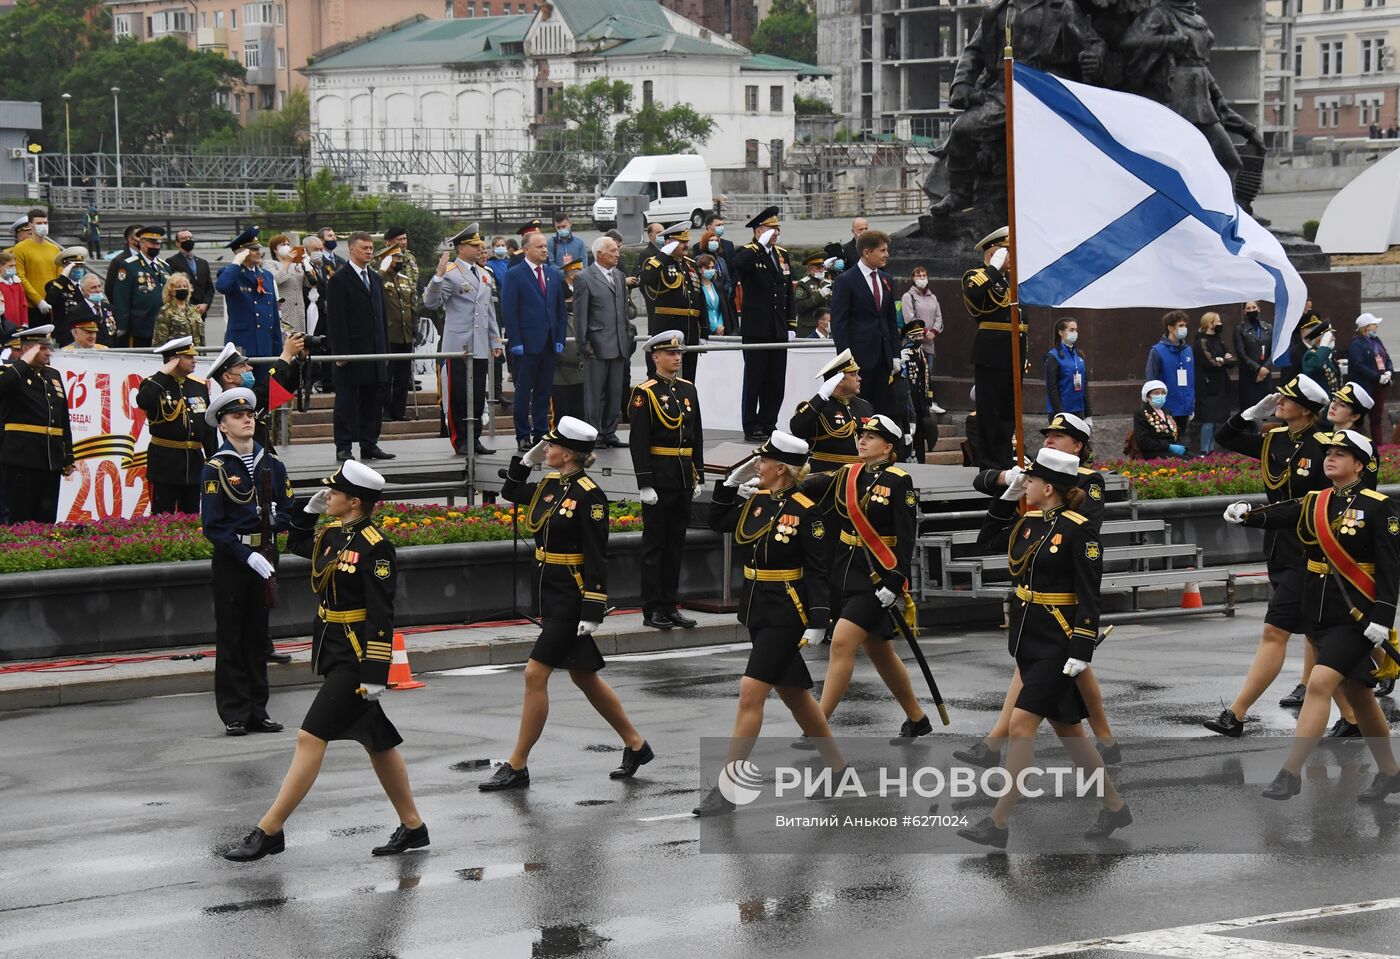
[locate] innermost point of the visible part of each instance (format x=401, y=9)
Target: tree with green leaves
x=40, y=44
x=320, y=193
x=789, y=30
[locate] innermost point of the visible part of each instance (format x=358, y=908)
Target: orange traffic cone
x=400, y=676
x=1190, y=597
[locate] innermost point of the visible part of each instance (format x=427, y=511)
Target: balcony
x=213, y=39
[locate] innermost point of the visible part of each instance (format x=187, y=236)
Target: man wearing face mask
x=670, y=285
x=137, y=294
x=1173, y=361
x=330, y=259
x=34, y=262
x=95, y=310
x=724, y=249
x=1254, y=347
x=65, y=293
x=175, y=401
x=764, y=270
x=231, y=370
x=1369, y=364
x=810, y=293
x=197, y=269
x=250, y=299
x=564, y=247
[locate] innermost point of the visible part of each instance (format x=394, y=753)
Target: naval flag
x=1121, y=203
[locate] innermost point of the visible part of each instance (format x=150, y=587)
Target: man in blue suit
x=862, y=318
x=532, y=308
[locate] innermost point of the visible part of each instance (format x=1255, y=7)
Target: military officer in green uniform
x=671, y=286
x=811, y=293
x=174, y=401
x=136, y=293
x=401, y=317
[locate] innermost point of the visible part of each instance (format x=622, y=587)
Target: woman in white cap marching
x=353, y=570
x=567, y=513
x=1056, y=564
x=782, y=540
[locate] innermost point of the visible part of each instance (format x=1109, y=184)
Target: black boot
x=1226, y=724
x=979, y=754
x=257, y=844
x=1285, y=786
x=506, y=777
x=403, y=839
x=1111, y=755
x=1385, y=687
x=986, y=833
x=632, y=760
x=713, y=805
x=1108, y=821
x=1295, y=698
x=1383, y=785
x=912, y=730
x=1342, y=729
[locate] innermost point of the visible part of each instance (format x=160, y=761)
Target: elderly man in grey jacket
x=462, y=287
x=605, y=340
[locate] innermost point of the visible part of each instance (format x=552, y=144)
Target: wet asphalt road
x=116, y=813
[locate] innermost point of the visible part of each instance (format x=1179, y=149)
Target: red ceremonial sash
x=1334, y=552
x=867, y=532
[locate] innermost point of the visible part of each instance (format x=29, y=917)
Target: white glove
x=747, y=489
x=586, y=628
x=647, y=495
x=45, y=309
x=1073, y=667
x=535, y=455
x=742, y=473
x=1262, y=410
x=1385, y=377
x=908, y=439
x=1377, y=633
x=792, y=335
x=1089, y=422
x=826, y=292
x=829, y=385
x=258, y=563
x=1328, y=340
x=811, y=637
x=1000, y=257
x=240, y=256
x=765, y=238
x=1235, y=513
x=1015, y=484
x=371, y=691
x=886, y=597
x=696, y=490
x=319, y=503
x=385, y=263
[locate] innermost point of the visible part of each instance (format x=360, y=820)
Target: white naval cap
x=237, y=400
x=843, y=361
x=1055, y=466
x=665, y=341
x=181, y=346
x=785, y=448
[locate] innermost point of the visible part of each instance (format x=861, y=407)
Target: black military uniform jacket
x=1367, y=527
x=887, y=497
x=1292, y=466
x=1057, y=570
x=667, y=440
x=181, y=440
x=987, y=296
x=65, y=295
x=988, y=482
x=353, y=571
x=568, y=515
x=782, y=539
x=829, y=427
x=769, y=303
x=230, y=502
x=674, y=299
x=34, y=409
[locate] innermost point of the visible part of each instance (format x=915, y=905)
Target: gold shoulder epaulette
x=587, y=483
x=682, y=379
x=1279, y=429
x=552, y=476
x=803, y=500
x=372, y=535
x=646, y=384
x=975, y=277
x=195, y=379
x=895, y=470
x=1079, y=518
x=1374, y=495
x=653, y=261
x=1033, y=512
x=1085, y=471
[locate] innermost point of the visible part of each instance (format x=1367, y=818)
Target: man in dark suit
x=862, y=317
x=604, y=338
x=764, y=270
x=714, y=223
x=196, y=269
x=536, y=323
x=849, y=253
x=356, y=324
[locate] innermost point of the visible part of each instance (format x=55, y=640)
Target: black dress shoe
x=235, y=729
x=632, y=760
x=1382, y=786
x=803, y=742
x=657, y=619
x=979, y=754
x=257, y=844
x=342, y=455
x=986, y=833
x=403, y=840
x=263, y=726
x=283, y=658
x=375, y=453
x=911, y=730
x=615, y=444
x=713, y=805
x=506, y=777
x=1286, y=785
x=678, y=618
x=1226, y=724
x=1111, y=755
x=1108, y=821
x=483, y=450
x=1342, y=729
x=1294, y=698
x=1385, y=687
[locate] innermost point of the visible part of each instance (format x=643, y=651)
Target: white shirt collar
x=865, y=270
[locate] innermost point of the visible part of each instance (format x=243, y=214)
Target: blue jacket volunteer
x=1172, y=360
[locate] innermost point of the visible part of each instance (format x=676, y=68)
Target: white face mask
x=284, y=250
x=921, y=282
x=41, y=230
x=1072, y=337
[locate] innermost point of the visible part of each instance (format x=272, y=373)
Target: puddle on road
x=250, y=905
x=602, y=748
x=469, y=765
x=499, y=871
x=594, y=802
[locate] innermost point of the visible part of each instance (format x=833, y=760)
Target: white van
x=677, y=184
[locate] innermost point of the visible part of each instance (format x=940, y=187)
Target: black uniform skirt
x=1047, y=691
x=561, y=647
x=864, y=609
x=338, y=712
x=1286, y=599
x=776, y=658
x=1345, y=649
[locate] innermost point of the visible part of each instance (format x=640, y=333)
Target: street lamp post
x=117, y=124
x=68, y=137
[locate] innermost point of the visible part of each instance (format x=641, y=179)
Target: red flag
x=277, y=394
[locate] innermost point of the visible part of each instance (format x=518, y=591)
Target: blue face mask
x=1158, y=401
x=565, y=232
x=246, y=379
x=500, y=251
x=9, y=273
x=839, y=265
x=713, y=246
x=719, y=230
x=96, y=297
x=77, y=273
x=708, y=273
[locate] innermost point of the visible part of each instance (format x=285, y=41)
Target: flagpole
x=1016, y=359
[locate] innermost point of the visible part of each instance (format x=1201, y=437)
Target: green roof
x=583, y=16
x=672, y=43
x=430, y=43
x=766, y=61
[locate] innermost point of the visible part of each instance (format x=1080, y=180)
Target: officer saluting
x=38, y=446
x=175, y=402
x=671, y=287
x=987, y=296
x=231, y=369
x=764, y=270
x=668, y=455
x=136, y=292
x=829, y=420
x=240, y=486
x=250, y=297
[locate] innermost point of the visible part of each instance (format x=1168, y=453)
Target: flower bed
x=1220, y=474
x=28, y=547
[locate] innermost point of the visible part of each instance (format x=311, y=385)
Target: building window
x=1373, y=3
x=1298, y=60
x=775, y=99
x=221, y=98
x=646, y=93
x=281, y=99
x=252, y=56
x=262, y=13
x=1329, y=53
x=218, y=19
x=203, y=19
x=267, y=99
x=1328, y=5
x=1328, y=113
x=1371, y=54
x=121, y=25
x=471, y=9
x=238, y=103
x=281, y=58
x=751, y=99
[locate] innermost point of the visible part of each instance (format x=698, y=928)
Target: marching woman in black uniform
x=352, y=569
x=568, y=515
x=877, y=508
x=782, y=539
x=1057, y=568
x=1351, y=537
